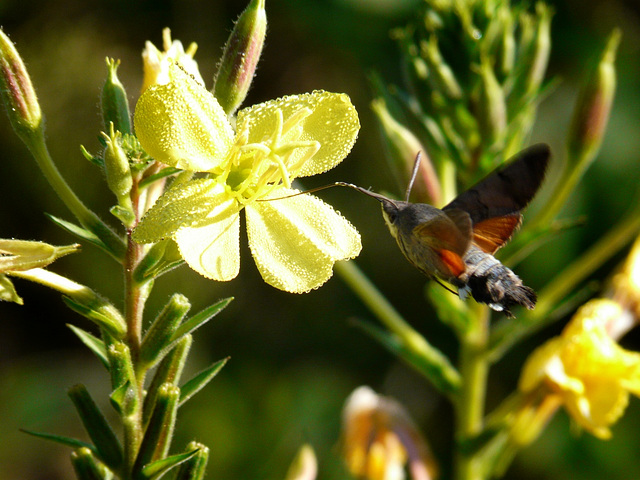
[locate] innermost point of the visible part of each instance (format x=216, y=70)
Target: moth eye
x=392, y=217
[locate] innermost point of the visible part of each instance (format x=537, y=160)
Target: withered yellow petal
x=332, y=122
x=182, y=124
x=212, y=248
x=295, y=241
x=179, y=206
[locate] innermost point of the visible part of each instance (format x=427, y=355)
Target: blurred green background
x=294, y=359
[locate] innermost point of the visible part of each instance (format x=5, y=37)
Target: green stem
x=86, y=217
x=474, y=368
x=389, y=316
x=135, y=294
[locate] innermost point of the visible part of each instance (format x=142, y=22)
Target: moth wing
x=508, y=189
x=448, y=237
x=491, y=234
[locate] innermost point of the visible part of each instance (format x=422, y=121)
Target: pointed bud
x=159, y=433
x=240, y=57
x=116, y=164
x=304, y=466
x=20, y=255
x=492, y=115
x=8, y=291
x=87, y=466
x=194, y=468
x=18, y=94
x=440, y=72
x=403, y=147
x=115, y=105
x=593, y=106
x=157, y=339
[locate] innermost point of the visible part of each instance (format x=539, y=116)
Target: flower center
x=256, y=169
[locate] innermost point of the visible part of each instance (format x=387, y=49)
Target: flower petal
x=212, y=248
x=182, y=124
x=178, y=207
x=295, y=241
x=333, y=123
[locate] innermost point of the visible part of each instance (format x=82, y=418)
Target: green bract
x=295, y=241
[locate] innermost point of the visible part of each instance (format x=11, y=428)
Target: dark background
x=294, y=359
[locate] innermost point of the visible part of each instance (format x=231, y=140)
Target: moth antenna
x=414, y=174
x=311, y=190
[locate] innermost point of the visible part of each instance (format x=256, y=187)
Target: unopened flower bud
x=440, y=72
x=195, y=467
x=240, y=57
x=537, y=57
x=116, y=165
x=17, y=93
x=492, y=117
x=21, y=255
x=403, y=147
x=591, y=113
x=380, y=439
x=115, y=106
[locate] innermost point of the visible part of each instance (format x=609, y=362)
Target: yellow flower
x=295, y=241
x=156, y=64
x=586, y=369
x=380, y=438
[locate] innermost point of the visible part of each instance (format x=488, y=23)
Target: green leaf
x=87, y=467
x=117, y=251
x=161, y=258
x=107, y=445
x=160, y=467
x=66, y=441
x=113, y=325
x=197, y=383
x=200, y=319
x=93, y=343
x=165, y=172
x=436, y=369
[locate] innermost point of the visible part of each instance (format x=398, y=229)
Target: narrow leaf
x=96, y=425
x=160, y=467
x=66, y=441
x=111, y=324
x=197, y=383
x=165, y=172
x=8, y=292
x=200, y=319
x=93, y=343
x=88, y=236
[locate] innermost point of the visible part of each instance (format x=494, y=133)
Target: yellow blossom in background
x=295, y=241
x=380, y=439
x=586, y=369
x=156, y=63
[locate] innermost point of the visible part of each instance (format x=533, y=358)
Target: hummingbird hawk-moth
x=457, y=243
